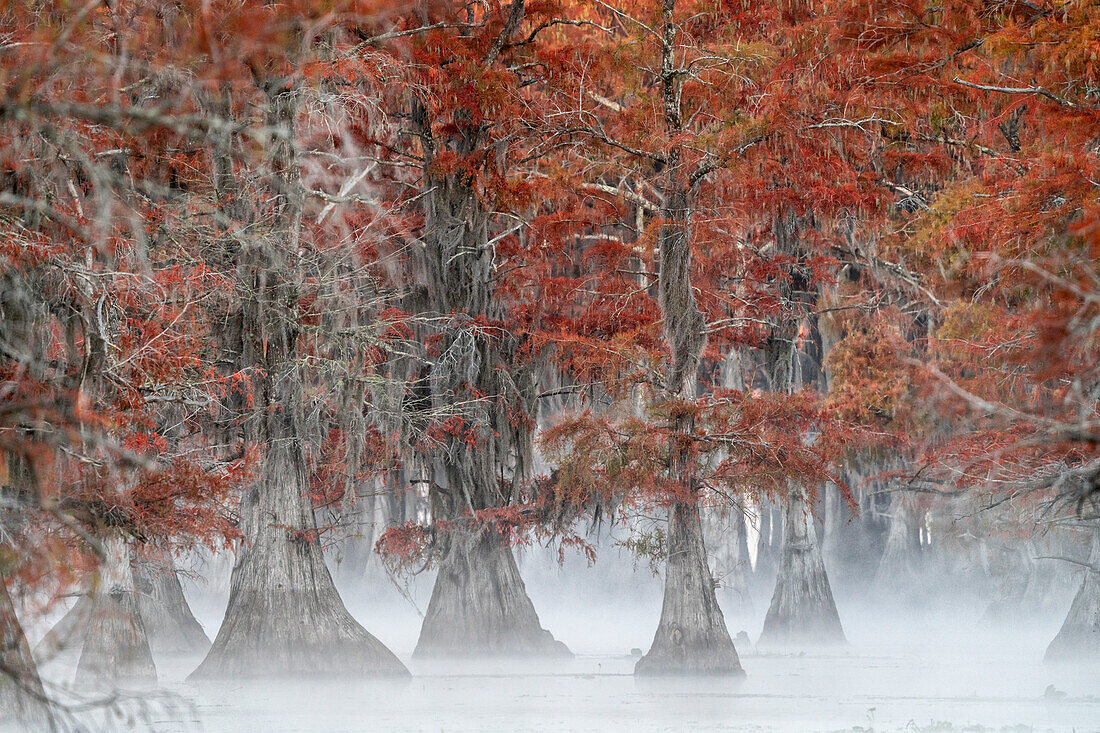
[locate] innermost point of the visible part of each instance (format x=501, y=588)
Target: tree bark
x=1079, y=638
x=725, y=533
x=284, y=616
x=479, y=605
x=116, y=646
x=478, y=590
x=899, y=566
x=802, y=611
x=169, y=623
x=22, y=698
x=691, y=637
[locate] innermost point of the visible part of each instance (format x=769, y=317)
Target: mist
x=549, y=365
x=937, y=665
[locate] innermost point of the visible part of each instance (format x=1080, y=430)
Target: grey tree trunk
x=691, y=638
x=68, y=633
x=853, y=539
x=725, y=533
x=359, y=566
x=837, y=517
x=284, y=616
x=768, y=542
x=725, y=529
x=1079, y=638
x=802, y=611
x=899, y=566
x=1010, y=566
x=22, y=699
x=169, y=623
x=116, y=646
x=478, y=592
x=479, y=605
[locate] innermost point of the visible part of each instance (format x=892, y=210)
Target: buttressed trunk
x=725, y=534
x=1079, y=637
x=169, y=623
x=802, y=611
x=691, y=637
x=284, y=616
x=898, y=567
x=22, y=699
x=479, y=605
x=116, y=646
x=478, y=591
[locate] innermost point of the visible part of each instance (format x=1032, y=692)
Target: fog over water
x=933, y=666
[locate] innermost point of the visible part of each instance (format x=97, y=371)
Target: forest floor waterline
x=940, y=670
x=852, y=691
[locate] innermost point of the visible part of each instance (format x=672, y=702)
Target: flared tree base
x=479, y=605
x=284, y=633
x=691, y=639
x=1079, y=638
x=803, y=613
x=169, y=623
x=684, y=654
x=116, y=648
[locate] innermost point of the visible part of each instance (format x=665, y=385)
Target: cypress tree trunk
x=1026, y=587
x=837, y=518
x=169, y=623
x=68, y=633
x=478, y=592
x=1009, y=567
x=116, y=646
x=479, y=606
x=22, y=699
x=725, y=533
x=692, y=637
x=359, y=565
x=1079, y=638
x=802, y=611
x=767, y=543
x=725, y=530
x=898, y=566
x=284, y=616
